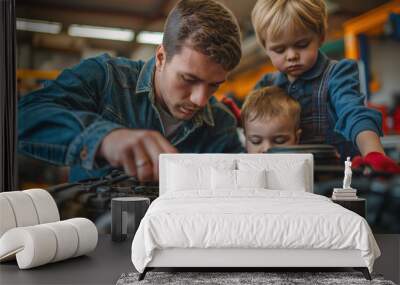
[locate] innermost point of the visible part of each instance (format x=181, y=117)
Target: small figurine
x=345, y=193
x=347, y=174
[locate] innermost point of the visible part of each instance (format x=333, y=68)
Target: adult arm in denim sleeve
x=344, y=91
x=60, y=123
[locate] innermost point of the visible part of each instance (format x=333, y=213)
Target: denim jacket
x=64, y=122
x=346, y=112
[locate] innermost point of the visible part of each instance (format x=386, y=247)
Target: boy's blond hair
x=269, y=102
x=273, y=17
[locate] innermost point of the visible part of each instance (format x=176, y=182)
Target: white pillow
x=181, y=177
x=251, y=179
x=191, y=174
x=225, y=179
x=296, y=181
x=281, y=175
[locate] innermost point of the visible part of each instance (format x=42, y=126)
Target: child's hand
x=377, y=161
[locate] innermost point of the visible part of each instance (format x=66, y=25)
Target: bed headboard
x=306, y=160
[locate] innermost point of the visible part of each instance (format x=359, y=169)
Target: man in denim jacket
x=113, y=112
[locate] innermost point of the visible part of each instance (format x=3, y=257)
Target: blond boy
x=333, y=110
x=270, y=118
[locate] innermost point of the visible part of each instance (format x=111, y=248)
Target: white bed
x=267, y=218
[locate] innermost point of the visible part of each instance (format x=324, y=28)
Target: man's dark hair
x=206, y=26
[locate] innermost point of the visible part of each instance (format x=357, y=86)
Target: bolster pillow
x=26, y=208
x=40, y=244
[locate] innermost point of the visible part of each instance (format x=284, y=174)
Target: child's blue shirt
x=344, y=113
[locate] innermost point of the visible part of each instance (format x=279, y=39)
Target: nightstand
x=357, y=205
x=126, y=214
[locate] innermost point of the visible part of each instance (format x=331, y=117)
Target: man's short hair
x=206, y=26
x=271, y=18
x=270, y=102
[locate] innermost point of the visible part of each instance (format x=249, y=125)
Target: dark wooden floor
x=106, y=264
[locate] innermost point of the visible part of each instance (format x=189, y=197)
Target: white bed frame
x=251, y=258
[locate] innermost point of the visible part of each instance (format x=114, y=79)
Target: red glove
x=232, y=106
x=378, y=161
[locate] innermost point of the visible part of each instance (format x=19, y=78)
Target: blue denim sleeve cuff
x=83, y=149
x=365, y=125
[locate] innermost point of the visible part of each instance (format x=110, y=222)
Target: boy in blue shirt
x=333, y=110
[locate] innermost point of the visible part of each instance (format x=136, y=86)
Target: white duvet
x=256, y=218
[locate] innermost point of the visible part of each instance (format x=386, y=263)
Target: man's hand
x=136, y=151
